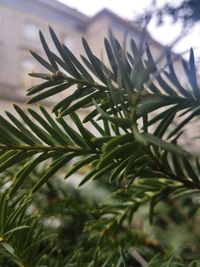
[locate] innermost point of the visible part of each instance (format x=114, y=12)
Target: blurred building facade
x=20, y=21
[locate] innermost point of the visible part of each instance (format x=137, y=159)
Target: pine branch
x=39, y=149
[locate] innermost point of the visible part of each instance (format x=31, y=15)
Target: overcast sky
x=128, y=10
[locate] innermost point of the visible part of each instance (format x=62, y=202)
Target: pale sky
x=129, y=8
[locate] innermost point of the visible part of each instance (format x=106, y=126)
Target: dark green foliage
x=185, y=11
x=140, y=200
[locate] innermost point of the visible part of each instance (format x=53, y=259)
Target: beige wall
x=15, y=45
x=96, y=32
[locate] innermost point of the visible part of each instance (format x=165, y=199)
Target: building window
x=30, y=31
x=27, y=66
x=68, y=42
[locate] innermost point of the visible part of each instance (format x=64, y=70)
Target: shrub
x=140, y=202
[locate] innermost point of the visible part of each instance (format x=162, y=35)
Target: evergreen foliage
x=129, y=147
